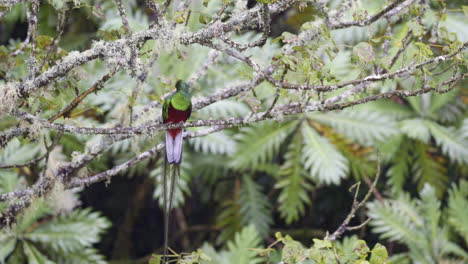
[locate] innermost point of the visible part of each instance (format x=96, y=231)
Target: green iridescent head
x=182, y=86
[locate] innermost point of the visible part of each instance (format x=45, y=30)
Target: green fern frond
x=255, y=207
x=359, y=158
x=36, y=211
x=458, y=208
x=437, y=101
x=216, y=257
x=210, y=167
x=386, y=107
x=416, y=129
x=450, y=113
x=325, y=163
x=430, y=208
x=33, y=255
x=293, y=183
x=450, y=141
x=426, y=169
x=415, y=223
x=464, y=129
x=258, y=144
x=401, y=166
x=223, y=109
x=88, y=255
x=17, y=153
x=397, y=220
x=241, y=248
x=215, y=143
x=70, y=233
x=366, y=128
x=229, y=220
x=9, y=181
x=8, y=245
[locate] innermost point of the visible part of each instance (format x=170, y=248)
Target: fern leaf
x=255, y=207
x=258, y=144
x=450, y=113
x=400, y=168
x=229, y=220
x=325, y=163
x=240, y=249
x=451, y=142
x=33, y=255
x=9, y=181
x=440, y=100
x=430, y=208
x=8, y=245
x=458, y=208
x=17, y=153
x=214, y=257
x=366, y=128
x=88, y=255
x=464, y=129
x=396, y=220
x=387, y=108
x=223, y=109
x=415, y=129
x=293, y=196
x=71, y=233
x=36, y=211
x=428, y=170
x=210, y=167
x=215, y=143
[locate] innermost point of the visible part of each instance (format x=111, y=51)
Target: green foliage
x=327, y=252
x=417, y=224
x=241, y=250
x=259, y=144
x=451, y=142
x=40, y=236
x=293, y=197
x=326, y=164
x=255, y=207
x=364, y=127
x=246, y=181
x=457, y=205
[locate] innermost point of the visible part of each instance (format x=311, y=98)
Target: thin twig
x=356, y=206
x=65, y=112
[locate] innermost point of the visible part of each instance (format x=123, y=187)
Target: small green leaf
x=379, y=254
x=155, y=259
x=424, y=49
x=204, y=18
x=361, y=249
x=181, y=16
x=318, y=243
x=293, y=252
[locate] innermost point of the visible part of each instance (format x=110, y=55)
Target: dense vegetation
x=303, y=118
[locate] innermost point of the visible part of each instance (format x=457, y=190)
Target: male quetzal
x=177, y=108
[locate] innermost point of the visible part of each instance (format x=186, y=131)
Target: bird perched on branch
x=177, y=108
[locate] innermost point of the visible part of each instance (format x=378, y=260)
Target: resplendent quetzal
x=177, y=108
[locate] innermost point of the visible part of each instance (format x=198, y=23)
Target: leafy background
x=241, y=186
